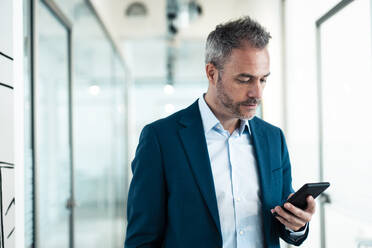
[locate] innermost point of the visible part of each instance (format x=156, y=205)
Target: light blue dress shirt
x=236, y=182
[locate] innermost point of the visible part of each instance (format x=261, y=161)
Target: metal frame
x=337, y=8
x=58, y=14
x=342, y=4
x=33, y=68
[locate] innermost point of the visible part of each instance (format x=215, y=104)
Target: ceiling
x=154, y=23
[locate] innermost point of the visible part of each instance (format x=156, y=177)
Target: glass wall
x=53, y=147
x=99, y=131
x=99, y=107
x=346, y=62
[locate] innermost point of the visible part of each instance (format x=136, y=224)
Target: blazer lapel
x=261, y=147
x=193, y=139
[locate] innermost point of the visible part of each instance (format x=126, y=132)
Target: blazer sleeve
x=146, y=208
x=287, y=189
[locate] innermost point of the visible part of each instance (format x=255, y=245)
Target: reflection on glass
x=346, y=85
x=52, y=131
x=100, y=151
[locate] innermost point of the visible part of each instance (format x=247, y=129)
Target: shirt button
x=241, y=232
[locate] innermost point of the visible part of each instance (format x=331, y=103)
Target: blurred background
x=96, y=71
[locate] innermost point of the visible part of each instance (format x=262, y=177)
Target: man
x=212, y=175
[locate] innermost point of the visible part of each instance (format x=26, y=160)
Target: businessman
x=213, y=174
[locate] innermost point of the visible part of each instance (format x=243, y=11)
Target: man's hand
x=299, y=217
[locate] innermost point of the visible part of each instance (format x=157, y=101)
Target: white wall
x=7, y=216
x=6, y=28
x=19, y=105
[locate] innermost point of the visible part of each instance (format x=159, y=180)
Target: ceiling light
x=168, y=89
x=94, y=90
x=136, y=9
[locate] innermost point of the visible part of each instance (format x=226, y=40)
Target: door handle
x=70, y=204
x=325, y=198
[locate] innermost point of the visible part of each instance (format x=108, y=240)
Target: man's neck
x=228, y=123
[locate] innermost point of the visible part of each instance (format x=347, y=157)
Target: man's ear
x=212, y=73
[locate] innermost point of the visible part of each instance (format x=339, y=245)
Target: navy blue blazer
x=172, y=201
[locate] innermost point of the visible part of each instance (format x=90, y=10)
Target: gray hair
x=229, y=35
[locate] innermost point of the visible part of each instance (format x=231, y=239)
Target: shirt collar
x=210, y=120
x=243, y=125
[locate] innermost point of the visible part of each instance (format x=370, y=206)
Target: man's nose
x=255, y=91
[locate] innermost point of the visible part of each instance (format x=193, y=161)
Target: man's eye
x=263, y=80
x=244, y=81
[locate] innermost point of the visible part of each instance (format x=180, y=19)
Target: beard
x=235, y=107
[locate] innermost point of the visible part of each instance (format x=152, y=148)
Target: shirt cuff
x=298, y=233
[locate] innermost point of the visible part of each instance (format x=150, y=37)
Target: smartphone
x=298, y=199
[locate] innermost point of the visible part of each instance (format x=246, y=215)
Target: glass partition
x=120, y=134
x=52, y=135
x=100, y=136
x=347, y=135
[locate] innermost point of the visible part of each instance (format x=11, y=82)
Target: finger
x=289, y=217
x=287, y=224
x=298, y=212
x=311, y=205
x=290, y=195
x=294, y=220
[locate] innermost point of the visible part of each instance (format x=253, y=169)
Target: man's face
x=239, y=87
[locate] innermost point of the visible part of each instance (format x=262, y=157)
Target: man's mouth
x=251, y=102
x=250, y=105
